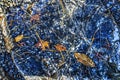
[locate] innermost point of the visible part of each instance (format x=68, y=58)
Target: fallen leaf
x=38, y=44
x=35, y=18
x=60, y=47
x=84, y=59
x=43, y=44
x=19, y=38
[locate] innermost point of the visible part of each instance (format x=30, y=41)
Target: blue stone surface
x=95, y=18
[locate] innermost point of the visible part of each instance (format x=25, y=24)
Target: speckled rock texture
x=90, y=27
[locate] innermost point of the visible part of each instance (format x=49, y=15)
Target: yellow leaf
x=44, y=44
x=19, y=38
x=84, y=59
x=60, y=47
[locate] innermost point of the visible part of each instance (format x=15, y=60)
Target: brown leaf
x=38, y=44
x=84, y=59
x=43, y=44
x=60, y=47
x=35, y=18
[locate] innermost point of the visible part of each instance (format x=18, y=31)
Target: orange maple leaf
x=43, y=44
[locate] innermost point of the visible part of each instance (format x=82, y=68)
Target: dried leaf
x=19, y=38
x=38, y=44
x=60, y=47
x=84, y=59
x=35, y=18
x=43, y=44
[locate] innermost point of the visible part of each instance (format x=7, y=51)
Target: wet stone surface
x=93, y=28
